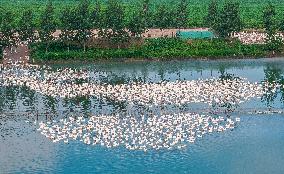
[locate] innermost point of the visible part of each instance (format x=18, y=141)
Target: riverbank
x=158, y=49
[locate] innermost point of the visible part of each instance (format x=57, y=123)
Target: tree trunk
x=84, y=45
x=2, y=52
x=46, y=48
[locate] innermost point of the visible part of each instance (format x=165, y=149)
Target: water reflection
x=274, y=75
x=23, y=100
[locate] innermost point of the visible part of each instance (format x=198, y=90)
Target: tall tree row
x=77, y=22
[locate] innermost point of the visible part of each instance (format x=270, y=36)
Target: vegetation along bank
x=94, y=30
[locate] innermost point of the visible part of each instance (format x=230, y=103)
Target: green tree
x=211, y=20
x=273, y=42
x=138, y=22
x=83, y=30
x=47, y=25
x=161, y=17
x=182, y=16
x=96, y=16
x=136, y=25
x=146, y=13
x=150, y=14
x=230, y=20
x=114, y=22
x=172, y=17
x=269, y=20
x=7, y=30
x=27, y=27
x=67, y=26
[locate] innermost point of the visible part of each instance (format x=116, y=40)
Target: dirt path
x=16, y=55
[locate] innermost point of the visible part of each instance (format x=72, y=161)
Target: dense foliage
x=161, y=48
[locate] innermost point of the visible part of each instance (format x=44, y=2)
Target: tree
x=96, y=16
x=146, y=13
x=47, y=25
x=273, y=42
x=136, y=25
x=67, y=26
x=211, y=20
x=27, y=27
x=83, y=30
x=138, y=22
x=182, y=16
x=161, y=17
x=172, y=17
x=114, y=22
x=97, y=19
x=269, y=20
x=7, y=30
x=230, y=20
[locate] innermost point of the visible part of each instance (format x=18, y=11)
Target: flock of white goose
x=253, y=37
x=69, y=83
x=145, y=131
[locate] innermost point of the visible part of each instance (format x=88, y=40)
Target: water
x=254, y=146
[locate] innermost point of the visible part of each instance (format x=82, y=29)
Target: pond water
x=255, y=145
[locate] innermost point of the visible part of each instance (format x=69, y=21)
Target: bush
x=274, y=43
x=161, y=48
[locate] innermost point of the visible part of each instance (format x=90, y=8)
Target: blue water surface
x=256, y=145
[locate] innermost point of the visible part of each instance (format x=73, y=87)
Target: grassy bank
x=152, y=49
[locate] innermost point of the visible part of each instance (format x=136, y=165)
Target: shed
x=195, y=34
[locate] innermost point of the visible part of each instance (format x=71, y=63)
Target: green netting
x=195, y=34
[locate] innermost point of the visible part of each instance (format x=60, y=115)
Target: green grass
x=251, y=10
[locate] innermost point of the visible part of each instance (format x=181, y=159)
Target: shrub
x=162, y=48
